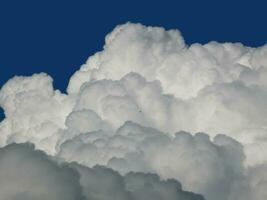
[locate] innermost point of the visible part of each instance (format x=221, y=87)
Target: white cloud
x=214, y=169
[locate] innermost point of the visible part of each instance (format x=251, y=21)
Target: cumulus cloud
x=212, y=168
x=150, y=103
x=28, y=174
x=34, y=111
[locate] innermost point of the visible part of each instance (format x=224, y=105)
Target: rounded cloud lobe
x=149, y=103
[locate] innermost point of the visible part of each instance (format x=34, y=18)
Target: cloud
x=212, y=168
x=140, y=104
x=26, y=174
x=258, y=181
x=34, y=111
x=32, y=175
x=187, y=73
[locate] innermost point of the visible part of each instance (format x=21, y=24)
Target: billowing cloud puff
x=34, y=111
x=182, y=71
x=214, y=169
x=139, y=105
x=27, y=174
x=161, y=55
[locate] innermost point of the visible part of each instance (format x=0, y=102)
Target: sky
x=58, y=36
x=133, y=100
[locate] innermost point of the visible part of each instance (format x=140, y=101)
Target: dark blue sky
x=57, y=36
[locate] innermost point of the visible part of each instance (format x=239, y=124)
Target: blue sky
x=58, y=36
